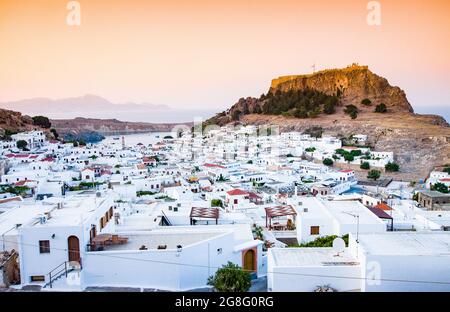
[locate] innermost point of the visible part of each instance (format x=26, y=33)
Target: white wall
x=299, y=279
x=161, y=269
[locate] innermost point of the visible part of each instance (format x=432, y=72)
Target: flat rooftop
x=153, y=240
x=301, y=257
x=406, y=243
x=341, y=210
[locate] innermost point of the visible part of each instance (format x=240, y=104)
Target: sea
x=134, y=139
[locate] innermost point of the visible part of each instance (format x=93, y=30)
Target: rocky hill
x=91, y=127
x=420, y=142
x=13, y=122
x=354, y=83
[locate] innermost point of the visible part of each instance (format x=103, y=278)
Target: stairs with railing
x=166, y=218
x=61, y=271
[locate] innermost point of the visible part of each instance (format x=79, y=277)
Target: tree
x=236, y=114
x=374, y=175
x=22, y=144
x=328, y=162
x=392, y=167
x=42, y=121
x=440, y=187
x=352, y=111
x=381, y=108
x=366, y=102
x=356, y=152
x=216, y=203
x=349, y=157
x=328, y=108
x=230, y=278
x=446, y=169
x=55, y=133
x=365, y=165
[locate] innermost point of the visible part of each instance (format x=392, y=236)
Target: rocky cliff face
x=80, y=125
x=355, y=83
x=11, y=121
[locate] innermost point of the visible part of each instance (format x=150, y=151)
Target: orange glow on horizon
x=214, y=52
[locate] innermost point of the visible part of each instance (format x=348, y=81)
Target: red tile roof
x=214, y=166
x=236, y=192
x=383, y=206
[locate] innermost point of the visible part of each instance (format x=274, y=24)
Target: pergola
x=279, y=211
x=207, y=213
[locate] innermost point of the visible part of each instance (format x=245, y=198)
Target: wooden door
x=249, y=260
x=73, y=244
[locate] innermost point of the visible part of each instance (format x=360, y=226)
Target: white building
x=380, y=262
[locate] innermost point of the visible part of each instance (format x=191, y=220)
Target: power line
x=246, y=270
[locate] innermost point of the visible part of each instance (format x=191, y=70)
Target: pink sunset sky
x=207, y=54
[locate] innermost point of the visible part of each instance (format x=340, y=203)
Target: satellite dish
x=338, y=245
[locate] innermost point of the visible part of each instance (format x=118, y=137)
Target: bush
x=230, y=278
x=325, y=241
x=216, y=203
x=366, y=102
x=440, y=187
x=381, y=108
x=352, y=111
x=365, y=165
x=22, y=144
x=374, y=175
x=328, y=162
x=300, y=103
x=446, y=169
x=392, y=167
x=144, y=193
x=349, y=157
x=42, y=121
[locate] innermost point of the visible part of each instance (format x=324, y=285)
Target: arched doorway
x=73, y=245
x=249, y=260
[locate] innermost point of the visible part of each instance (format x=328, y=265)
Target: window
x=44, y=246
x=315, y=230
x=235, y=201
x=175, y=208
x=37, y=278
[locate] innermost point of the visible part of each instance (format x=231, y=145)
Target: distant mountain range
x=96, y=107
x=77, y=106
